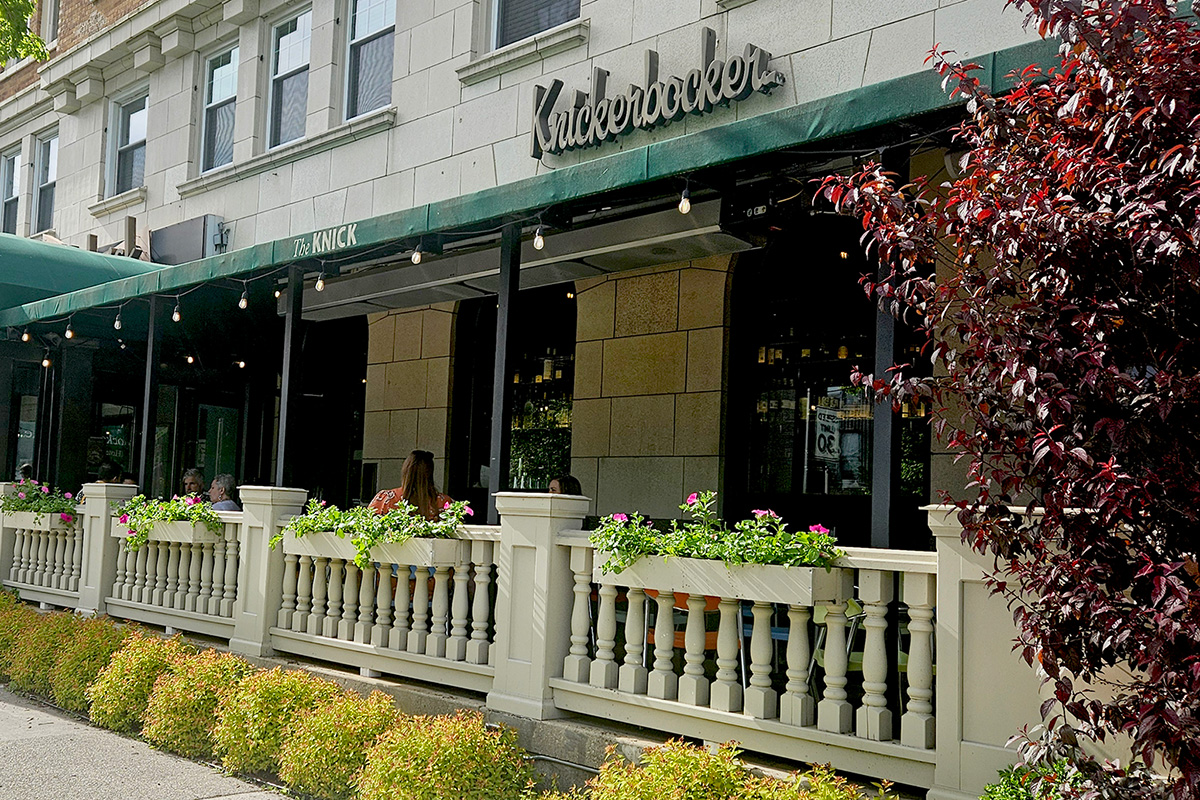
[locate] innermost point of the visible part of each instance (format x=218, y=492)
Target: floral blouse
x=388, y=499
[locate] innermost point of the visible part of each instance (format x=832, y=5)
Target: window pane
x=291, y=43
x=222, y=76
x=12, y=171
x=520, y=19
x=10, y=215
x=48, y=169
x=45, y=208
x=371, y=16
x=218, y=135
x=371, y=74
x=133, y=121
x=290, y=108
x=131, y=168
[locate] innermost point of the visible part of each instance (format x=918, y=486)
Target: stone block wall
x=649, y=400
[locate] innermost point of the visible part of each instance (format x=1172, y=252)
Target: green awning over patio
x=31, y=270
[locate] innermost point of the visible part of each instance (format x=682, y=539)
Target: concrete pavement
x=48, y=755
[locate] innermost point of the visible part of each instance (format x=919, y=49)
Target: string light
x=570, y=295
x=321, y=282
x=241, y=364
x=117, y=322
x=539, y=238
x=243, y=301
x=176, y=315
x=46, y=361
x=416, y=256
x=122, y=341
x=685, y=202
x=70, y=334
x=277, y=293
x=191, y=360
x=25, y=335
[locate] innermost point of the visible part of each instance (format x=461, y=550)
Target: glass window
x=47, y=176
x=10, y=188
x=289, y=78
x=519, y=19
x=372, y=27
x=131, y=144
x=220, y=99
x=50, y=20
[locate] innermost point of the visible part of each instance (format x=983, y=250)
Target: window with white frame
x=47, y=175
x=289, y=78
x=220, y=99
x=520, y=19
x=132, y=116
x=50, y=20
x=372, y=33
x=10, y=188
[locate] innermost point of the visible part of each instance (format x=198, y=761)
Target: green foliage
x=182, y=710
x=366, y=528
x=1043, y=781
x=119, y=695
x=254, y=718
x=15, y=618
x=140, y=514
x=36, y=649
x=676, y=770
x=446, y=758
x=328, y=747
x=540, y=454
x=16, y=40
x=762, y=539
x=81, y=658
x=41, y=499
x=818, y=784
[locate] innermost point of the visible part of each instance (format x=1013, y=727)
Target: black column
x=150, y=395
x=510, y=282
x=289, y=388
x=74, y=415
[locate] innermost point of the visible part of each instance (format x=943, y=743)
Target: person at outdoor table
x=221, y=493
x=416, y=487
x=193, y=481
x=565, y=484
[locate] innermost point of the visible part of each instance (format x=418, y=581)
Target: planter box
x=424, y=552
x=803, y=586
x=319, y=544
x=182, y=532
x=30, y=520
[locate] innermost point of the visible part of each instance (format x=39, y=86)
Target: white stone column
x=8, y=536
x=260, y=569
x=98, y=569
x=534, y=598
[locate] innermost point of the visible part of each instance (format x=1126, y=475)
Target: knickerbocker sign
x=595, y=118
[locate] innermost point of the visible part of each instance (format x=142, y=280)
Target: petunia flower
x=68, y=495
x=764, y=512
x=692, y=498
x=620, y=518
x=124, y=519
x=66, y=517
x=818, y=529
x=467, y=510
x=21, y=495
x=45, y=490
x=446, y=506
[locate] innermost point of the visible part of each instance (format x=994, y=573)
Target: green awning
x=806, y=123
x=31, y=270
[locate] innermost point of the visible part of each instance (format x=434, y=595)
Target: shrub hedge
x=182, y=710
x=35, y=651
x=121, y=690
x=82, y=658
x=15, y=619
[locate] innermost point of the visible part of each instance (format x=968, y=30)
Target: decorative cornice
x=518, y=54
x=118, y=202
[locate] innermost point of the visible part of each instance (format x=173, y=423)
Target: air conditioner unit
x=188, y=241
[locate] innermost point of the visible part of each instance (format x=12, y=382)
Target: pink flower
x=45, y=490
x=192, y=500
x=65, y=517
x=467, y=510
x=446, y=506
x=764, y=512
x=68, y=495
x=692, y=498
x=124, y=520
x=21, y=495
x=818, y=529
x=620, y=518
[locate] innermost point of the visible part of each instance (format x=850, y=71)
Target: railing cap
x=273, y=495
x=527, y=504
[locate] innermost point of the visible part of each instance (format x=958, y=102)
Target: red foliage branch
x=1065, y=313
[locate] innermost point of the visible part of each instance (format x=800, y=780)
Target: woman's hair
x=225, y=481
x=416, y=483
x=569, y=484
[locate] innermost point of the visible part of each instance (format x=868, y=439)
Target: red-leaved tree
x=1065, y=314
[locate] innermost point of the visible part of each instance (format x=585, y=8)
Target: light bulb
x=122, y=344
x=25, y=335
x=685, y=203
x=570, y=295
x=416, y=256
x=176, y=315
x=70, y=334
x=46, y=362
x=277, y=293
x=321, y=282
x=241, y=364
x=243, y=301
x=191, y=360
x=539, y=239
x=117, y=322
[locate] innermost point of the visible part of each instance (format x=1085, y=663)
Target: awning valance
x=32, y=270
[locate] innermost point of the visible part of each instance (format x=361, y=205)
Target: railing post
x=8, y=536
x=260, y=569
x=534, y=598
x=98, y=569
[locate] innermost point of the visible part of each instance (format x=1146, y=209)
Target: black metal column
x=150, y=395
x=289, y=388
x=510, y=283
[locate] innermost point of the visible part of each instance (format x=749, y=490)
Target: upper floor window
x=10, y=188
x=220, y=99
x=372, y=28
x=47, y=176
x=520, y=19
x=132, y=116
x=289, y=78
x=50, y=20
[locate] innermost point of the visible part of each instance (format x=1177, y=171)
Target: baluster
x=398, y=636
x=182, y=569
x=28, y=549
x=435, y=645
x=195, y=556
x=760, y=699
x=218, y=578
x=917, y=722
x=383, y=605
x=160, y=573
x=874, y=719
x=288, y=606
x=333, y=608
x=633, y=674
x=833, y=712
x=726, y=691
x=664, y=683
x=54, y=575
x=576, y=666
x=478, y=647
x=349, y=603
x=144, y=585
x=693, y=686
x=456, y=646
x=122, y=570
x=303, y=595
x=76, y=559
x=366, y=591
x=19, y=544
x=206, y=583
x=796, y=706
x=172, y=575
x=420, y=612
x=316, y=617
x=231, y=567
x=39, y=575
x=605, y=673
x=130, y=570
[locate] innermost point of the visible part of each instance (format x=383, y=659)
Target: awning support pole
x=150, y=397
x=510, y=281
x=291, y=372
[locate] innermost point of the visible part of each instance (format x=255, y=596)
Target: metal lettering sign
x=594, y=119
x=327, y=240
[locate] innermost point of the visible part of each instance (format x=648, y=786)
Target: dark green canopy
x=31, y=270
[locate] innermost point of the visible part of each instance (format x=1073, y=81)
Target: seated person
x=566, y=484
x=416, y=487
x=193, y=481
x=222, y=493
x=108, y=472
x=129, y=479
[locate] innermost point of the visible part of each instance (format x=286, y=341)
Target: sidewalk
x=48, y=755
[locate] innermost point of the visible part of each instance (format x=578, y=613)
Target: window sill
x=372, y=122
x=118, y=201
x=728, y=4
x=518, y=54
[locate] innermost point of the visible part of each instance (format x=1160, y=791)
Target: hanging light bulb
x=176, y=315
x=277, y=293
x=685, y=202
x=241, y=364
x=191, y=360
x=25, y=335
x=117, y=322
x=70, y=334
x=321, y=282
x=539, y=238
x=243, y=301
x=46, y=362
x=416, y=256
x=122, y=341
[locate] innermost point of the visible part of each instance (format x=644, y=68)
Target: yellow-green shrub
x=254, y=718
x=34, y=652
x=446, y=758
x=818, y=784
x=328, y=747
x=182, y=710
x=81, y=659
x=15, y=618
x=119, y=694
x=677, y=770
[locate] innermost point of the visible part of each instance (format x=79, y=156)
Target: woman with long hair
x=416, y=487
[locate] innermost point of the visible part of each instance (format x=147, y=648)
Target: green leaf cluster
x=182, y=710
x=15, y=619
x=82, y=657
x=40, y=498
x=762, y=539
x=1042, y=781
x=35, y=651
x=140, y=514
x=16, y=40
x=121, y=691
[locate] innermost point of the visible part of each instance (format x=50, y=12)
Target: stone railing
x=893, y=664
